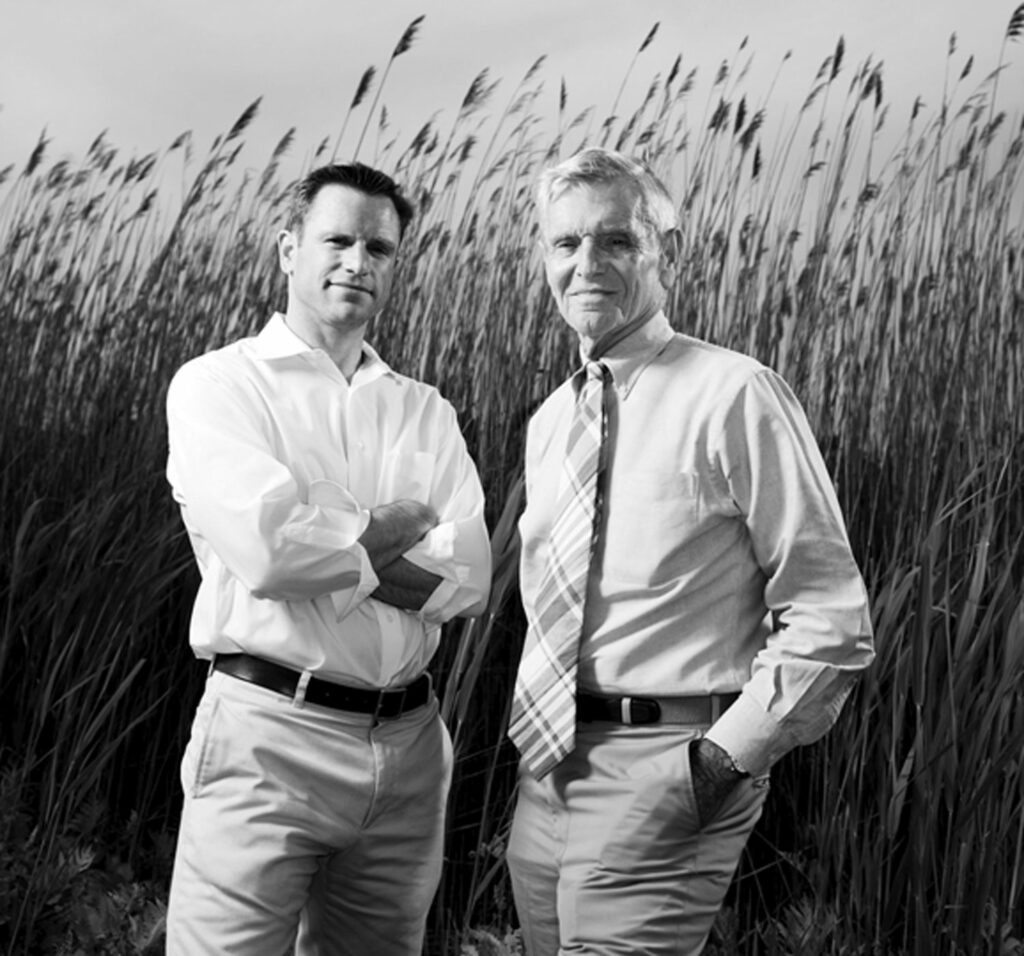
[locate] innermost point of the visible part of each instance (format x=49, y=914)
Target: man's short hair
x=594, y=165
x=356, y=176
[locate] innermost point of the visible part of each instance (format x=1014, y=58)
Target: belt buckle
x=639, y=710
x=400, y=693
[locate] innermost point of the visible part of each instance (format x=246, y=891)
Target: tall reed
x=886, y=283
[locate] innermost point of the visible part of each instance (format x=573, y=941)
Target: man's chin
x=350, y=319
x=595, y=324
x=591, y=321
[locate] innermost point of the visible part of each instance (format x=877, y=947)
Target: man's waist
x=594, y=707
x=386, y=702
x=345, y=652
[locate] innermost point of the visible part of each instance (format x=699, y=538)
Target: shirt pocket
x=409, y=475
x=651, y=515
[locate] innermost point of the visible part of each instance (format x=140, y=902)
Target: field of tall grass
x=876, y=260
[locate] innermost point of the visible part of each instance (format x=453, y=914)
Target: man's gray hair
x=595, y=164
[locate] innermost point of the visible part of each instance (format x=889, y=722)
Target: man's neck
x=593, y=350
x=343, y=347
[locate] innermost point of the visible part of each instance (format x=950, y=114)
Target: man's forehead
x=601, y=206
x=335, y=200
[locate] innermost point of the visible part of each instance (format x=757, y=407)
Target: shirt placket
x=366, y=459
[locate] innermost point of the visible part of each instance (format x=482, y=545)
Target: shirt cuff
x=350, y=518
x=344, y=601
x=751, y=737
x=433, y=608
x=436, y=547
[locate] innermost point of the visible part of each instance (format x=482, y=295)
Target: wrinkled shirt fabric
x=275, y=460
x=722, y=562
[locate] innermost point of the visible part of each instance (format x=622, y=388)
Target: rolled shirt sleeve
x=458, y=549
x=246, y=505
x=276, y=460
x=352, y=518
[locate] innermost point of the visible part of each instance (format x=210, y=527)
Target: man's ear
x=671, y=251
x=286, y=242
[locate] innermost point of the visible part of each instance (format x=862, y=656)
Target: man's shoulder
x=416, y=388
x=555, y=401
x=562, y=390
x=407, y=381
x=415, y=398
x=696, y=364
x=716, y=358
x=227, y=363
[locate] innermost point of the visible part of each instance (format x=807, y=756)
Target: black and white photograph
x=512, y=478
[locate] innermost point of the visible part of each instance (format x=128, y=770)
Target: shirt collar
x=626, y=360
x=277, y=341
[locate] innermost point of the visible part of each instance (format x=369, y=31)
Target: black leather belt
x=592, y=708
x=381, y=703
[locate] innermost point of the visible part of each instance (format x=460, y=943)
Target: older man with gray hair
x=694, y=610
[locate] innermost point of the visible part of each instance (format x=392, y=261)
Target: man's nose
x=589, y=260
x=355, y=258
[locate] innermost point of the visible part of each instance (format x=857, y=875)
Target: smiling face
x=606, y=268
x=340, y=263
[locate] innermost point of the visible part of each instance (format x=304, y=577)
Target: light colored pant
x=304, y=811
x=606, y=855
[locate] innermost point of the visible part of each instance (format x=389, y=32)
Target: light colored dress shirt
x=722, y=561
x=275, y=460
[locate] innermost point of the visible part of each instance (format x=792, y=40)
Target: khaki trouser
x=606, y=854
x=304, y=811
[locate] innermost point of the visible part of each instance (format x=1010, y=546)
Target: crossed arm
x=286, y=539
x=393, y=529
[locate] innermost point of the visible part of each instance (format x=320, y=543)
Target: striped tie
x=543, y=719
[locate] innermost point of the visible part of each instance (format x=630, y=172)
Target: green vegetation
x=886, y=283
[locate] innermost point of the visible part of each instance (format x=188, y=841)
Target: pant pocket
x=653, y=803
x=197, y=751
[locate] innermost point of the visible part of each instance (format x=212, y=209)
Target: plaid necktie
x=543, y=718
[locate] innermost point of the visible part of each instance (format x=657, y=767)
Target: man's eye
x=616, y=243
x=565, y=245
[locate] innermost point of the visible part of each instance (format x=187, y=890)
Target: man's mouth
x=351, y=286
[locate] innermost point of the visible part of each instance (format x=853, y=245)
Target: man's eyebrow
x=613, y=231
x=331, y=235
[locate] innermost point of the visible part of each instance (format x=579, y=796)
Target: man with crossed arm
x=337, y=521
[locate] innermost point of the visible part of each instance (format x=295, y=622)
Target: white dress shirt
x=275, y=460
x=722, y=561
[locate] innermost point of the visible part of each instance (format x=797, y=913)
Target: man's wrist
x=716, y=758
x=714, y=775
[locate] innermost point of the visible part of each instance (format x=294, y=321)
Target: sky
x=145, y=71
